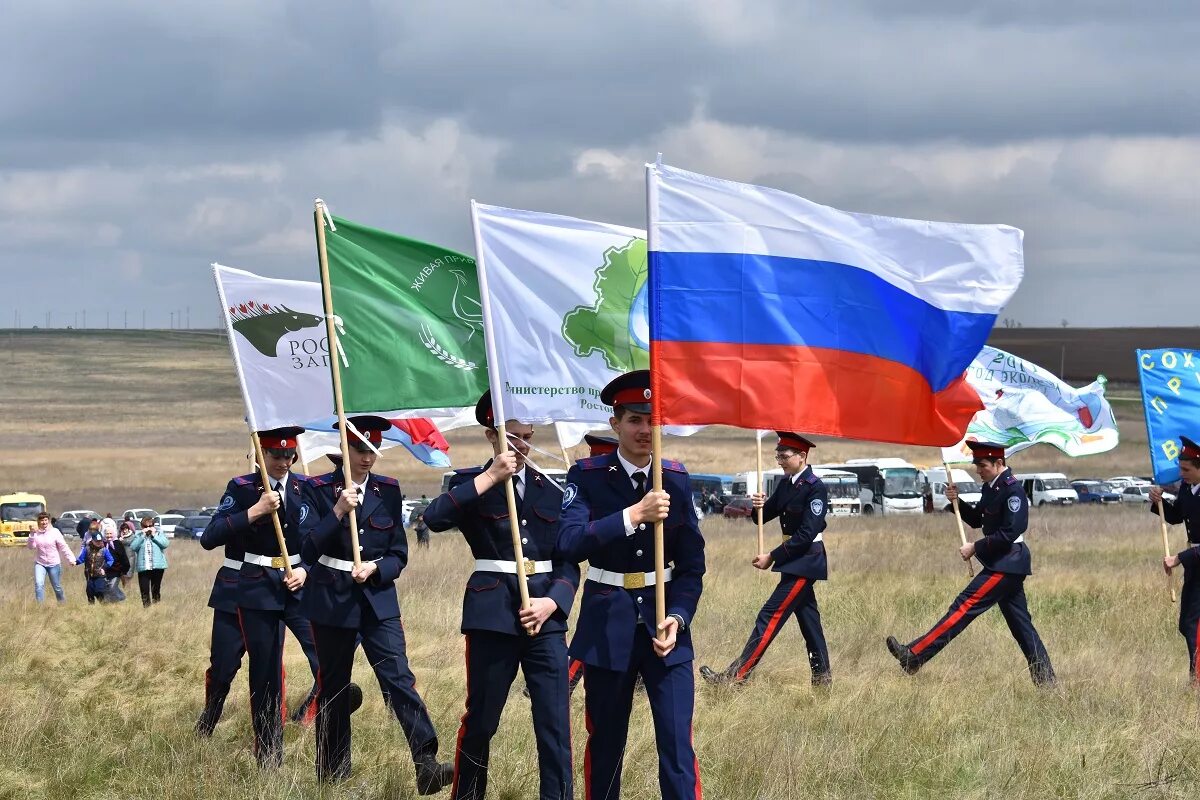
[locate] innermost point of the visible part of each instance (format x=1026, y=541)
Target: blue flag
x=1170, y=381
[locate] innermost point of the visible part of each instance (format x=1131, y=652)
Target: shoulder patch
x=227, y=502
x=674, y=466
x=244, y=480
x=591, y=463
x=469, y=470
x=569, y=494
x=386, y=481
x=1014, y=503
x=817, y=506
x=304, y=512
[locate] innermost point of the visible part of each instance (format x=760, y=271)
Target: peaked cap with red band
x=484, y=414
x=280, y=438
x=600, y=445
x=1190, y=448
x=794, y=440
x=986, y=449
x=631, y=390
x=370, y=426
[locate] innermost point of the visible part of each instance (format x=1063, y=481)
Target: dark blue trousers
x=225, y=659
x=1189, y=619
x=793, y=595
x=492, y=662
x=985, y=590
x=609, y=701
x=383, y=643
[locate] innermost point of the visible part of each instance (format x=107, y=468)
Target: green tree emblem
x=604, y=327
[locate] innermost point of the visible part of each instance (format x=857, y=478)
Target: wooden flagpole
x=962, y=532
x=499, y=418
x=660, y=589
x=266, y=479
x=1162, y=521
x=336, y=369
x=758, y=511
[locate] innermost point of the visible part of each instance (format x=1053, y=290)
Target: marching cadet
x=800, y=501
x=609, y=511
x=1003, y=513
x=266, y=600
x=346, y=603
x=500, y=636
x=1185, y=508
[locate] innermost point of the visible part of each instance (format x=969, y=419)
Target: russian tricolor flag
x=770, y=311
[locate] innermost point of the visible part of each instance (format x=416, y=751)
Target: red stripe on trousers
x=1196, y=665
x=587, y=750
x=462, y=725
x=846, y=394
x=769, y=632
x=695, y=762
x=958, y=613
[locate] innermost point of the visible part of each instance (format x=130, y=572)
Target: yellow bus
x=18, y=516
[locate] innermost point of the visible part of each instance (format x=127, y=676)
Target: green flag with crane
x=409, y=322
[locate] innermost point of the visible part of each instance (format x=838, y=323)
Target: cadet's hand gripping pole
x=962, y=532
x=266, y=479
x=1162, y=520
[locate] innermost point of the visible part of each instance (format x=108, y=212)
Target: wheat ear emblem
x=441, y=353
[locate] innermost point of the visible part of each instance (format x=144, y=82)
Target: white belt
x=229, y=562
x=275, y=562
x=628, y=580
x=1019, y=539
x=510, y=567
x=339, y=564
x=820, y=537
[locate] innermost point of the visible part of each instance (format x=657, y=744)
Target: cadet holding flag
x=1003, y=514
x=351, y=604
x=1185, y=509
x=608, y=519
x=800, y=501
x=500, y=635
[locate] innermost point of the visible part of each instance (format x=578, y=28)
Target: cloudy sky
x=140, y=141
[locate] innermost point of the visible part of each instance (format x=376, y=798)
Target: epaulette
x=1010, y=481
x=469, y=470
x=246, y=480
x=674, y=466
x=596, y=462
x=386, y=481
x=812, y=478
x=320, y=480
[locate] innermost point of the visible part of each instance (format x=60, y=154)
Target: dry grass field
x=98, y=702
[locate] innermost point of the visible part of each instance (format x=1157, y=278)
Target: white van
x=1048, y=488
x=969, y=489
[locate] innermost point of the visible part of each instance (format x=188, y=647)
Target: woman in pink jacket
x=48, y=542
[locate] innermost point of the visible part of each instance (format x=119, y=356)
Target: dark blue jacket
x=224, y=595
x=1003, y=513
x=801, y=508
x=1185, y=508
x=492, y=600
x=591, y=528
x=258, y=587
x=331, y=596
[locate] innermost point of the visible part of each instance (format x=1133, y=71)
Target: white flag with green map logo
x=568, y=310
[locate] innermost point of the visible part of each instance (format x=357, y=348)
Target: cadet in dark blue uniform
x=1185, y=508
x=267, y=601
x=800, y=501
x=345, y=603
x=608, y=519
x=1003, y=513
x=499, y=635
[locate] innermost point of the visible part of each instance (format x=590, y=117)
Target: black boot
x=210, y=716
x=909, y=662
x=715, y=678
x=432, y=776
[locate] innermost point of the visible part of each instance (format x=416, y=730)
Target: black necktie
x=276, y=486
x=639, y=478
x=517, y=487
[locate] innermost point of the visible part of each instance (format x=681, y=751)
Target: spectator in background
x=120, y=567
x=48, y=542
x=149, y=560
x=422, y=531
x=96, y=562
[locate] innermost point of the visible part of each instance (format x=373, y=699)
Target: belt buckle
x=635, y=580
x=530, y=566
x=277, y=562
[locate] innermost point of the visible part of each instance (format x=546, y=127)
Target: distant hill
x=1088, y=352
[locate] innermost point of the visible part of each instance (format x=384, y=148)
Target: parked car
x=167, y=523
x=68, y=521
x=1124, y=481
x=192, y=526
x=183, y=512
x=1135, y=494
x=1095, y=492
x=739, y=507
x=138, y=513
